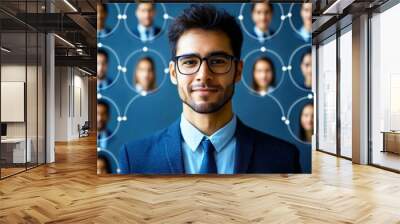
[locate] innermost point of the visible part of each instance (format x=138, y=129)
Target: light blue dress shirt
x=142, y=31
x=102, y=33
x=102, y=139
x=304, y=34
x=223, y=140
x=261, y=36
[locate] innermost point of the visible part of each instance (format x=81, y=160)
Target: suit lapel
x=173, y=148
x=244, y=147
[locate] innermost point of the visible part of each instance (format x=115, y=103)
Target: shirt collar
x=192, y=136
x=140, y=90
x=304, y=33
x=142, y=29
x=259, y=33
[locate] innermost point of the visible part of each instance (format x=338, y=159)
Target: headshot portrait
x=102, y=69
x=263, y=76
x=306, y=120
x=146, y=29
x=144, y=76
x=191, y=89
x=208, y=137
x=103, y=116
x=261, y=15
x=306, y=16
x=101, y=20
x=306, y=69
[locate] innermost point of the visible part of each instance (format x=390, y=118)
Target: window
x=346, y=92
x=385, y=89
x=327, y=95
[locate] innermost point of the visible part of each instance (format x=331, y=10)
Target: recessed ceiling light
x=5, y=50
x=70, y=5
x=64, y=40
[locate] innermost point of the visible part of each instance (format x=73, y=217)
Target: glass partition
x=14, y=153
x=346, y=92
x=385, y=89
x=327, y=95
x=22, y=88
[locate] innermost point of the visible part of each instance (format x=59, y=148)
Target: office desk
x=15, y=148
x=391, y=141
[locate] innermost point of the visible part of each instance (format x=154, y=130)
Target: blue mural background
x=135, y=116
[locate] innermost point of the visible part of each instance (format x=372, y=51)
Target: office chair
x=84, y=130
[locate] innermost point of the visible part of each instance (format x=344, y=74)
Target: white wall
x=13, y=73
x=70, y=83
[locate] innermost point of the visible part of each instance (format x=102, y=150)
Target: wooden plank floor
x=69, y=191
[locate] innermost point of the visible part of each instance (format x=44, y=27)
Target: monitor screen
x=3, y=129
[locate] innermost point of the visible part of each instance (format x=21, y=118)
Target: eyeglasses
x=190, y=64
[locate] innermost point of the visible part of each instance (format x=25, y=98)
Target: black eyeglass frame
x=231, y=58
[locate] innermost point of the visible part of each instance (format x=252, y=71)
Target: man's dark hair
x=104, y=6
x=106, y=161
x=271, y=64
x=103, y=52
x=267, y=2
x=140, y=2
x=308, y=52
x=105, y=104
x=208, y=18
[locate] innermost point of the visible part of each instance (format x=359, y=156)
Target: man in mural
x=146, y=29
x=261, y=14
x=208, y=138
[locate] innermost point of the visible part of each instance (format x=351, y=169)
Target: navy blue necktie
x=208, y=165
x=147, y=32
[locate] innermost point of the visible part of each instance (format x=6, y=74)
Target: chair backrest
x=86, y=124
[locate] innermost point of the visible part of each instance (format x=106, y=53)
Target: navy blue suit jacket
x=161, y=153
x=157, y=30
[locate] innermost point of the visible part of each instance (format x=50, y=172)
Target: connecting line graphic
x=241, y=18
x=263, y=49
x=128, y=105
x=145, y=49
x=99, y=150
x=290, y=21
x=119, y=67
x=128, y=29
x=119, y=18
x=287, y=120
x=284, y=69
x=279, y=104
x=290, y=63
x=99, y=96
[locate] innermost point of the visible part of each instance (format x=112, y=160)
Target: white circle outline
x=164, y=74
x=138, y=38
x=290, y=64
x=251, y=35
x=288, y=118
x=116, y=26
x=290, y=19
x=282, y=65
x=129, y=104
x=119, y=64
x=112, y=155
x=119, y=115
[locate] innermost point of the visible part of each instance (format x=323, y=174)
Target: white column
x=50, y=109
x=314, y=91
x=360, y=90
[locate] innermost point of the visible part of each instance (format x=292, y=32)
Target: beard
x=209, y=107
